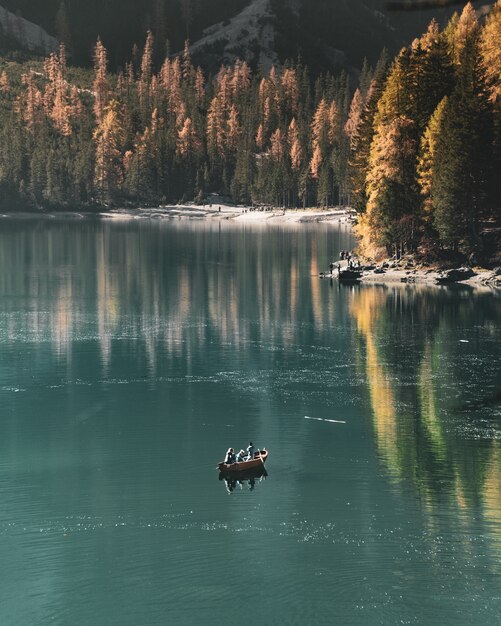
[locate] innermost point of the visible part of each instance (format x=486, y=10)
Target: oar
x=260, y=456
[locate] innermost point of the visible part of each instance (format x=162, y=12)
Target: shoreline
x=235, y=213
x=389, y=273
x=476, y=277
x=481, y=278
x=216, y=212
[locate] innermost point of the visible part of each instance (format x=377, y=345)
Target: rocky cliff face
x=25, y=34
x=249, y=36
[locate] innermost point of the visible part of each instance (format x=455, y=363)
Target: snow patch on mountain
x=27, y=34
x=249, y=36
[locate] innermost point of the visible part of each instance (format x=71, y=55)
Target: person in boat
x=250, y=451
x=230, y=457
x=241, y=456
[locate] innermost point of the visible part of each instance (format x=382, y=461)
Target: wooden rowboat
x=349, y=276
x=243, y=466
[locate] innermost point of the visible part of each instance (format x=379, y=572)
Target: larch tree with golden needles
x=490, y=61
x=4, y=82
x=108, y=137
x=490, y=51
x=100, y=86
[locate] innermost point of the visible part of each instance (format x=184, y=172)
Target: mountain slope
x=249, y=36
x=17, y=32
x=325, y=34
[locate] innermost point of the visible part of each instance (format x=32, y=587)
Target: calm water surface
x=133, y=354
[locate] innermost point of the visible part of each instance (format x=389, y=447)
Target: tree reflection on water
x=423, y=431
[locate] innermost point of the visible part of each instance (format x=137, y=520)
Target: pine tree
x=465, y=29
x=354, y=116
x=316, y=161
x=142, y=165
x=4, y=82
x=243, y=179
x=296, y=150
x=189, y=145
x=428, y=148
x=199, y=85
x=490, y=62
x=100, y=87
x=57, y=103
x=392, y=194
x=362, y=137
x=30, y=104
x=419, y=78
x=145, y=79
x=490, y=50
x=427, y=156
x=233, y=129
x=464, y=148
x=108, y=137
x=431, y=74
x=319, y=164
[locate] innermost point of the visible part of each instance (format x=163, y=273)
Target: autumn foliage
x=413, y=147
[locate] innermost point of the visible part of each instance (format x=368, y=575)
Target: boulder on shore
x=455, y=275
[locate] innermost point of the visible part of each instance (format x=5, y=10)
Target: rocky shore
x=407, y=272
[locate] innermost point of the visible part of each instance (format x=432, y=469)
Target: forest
x=414, y=147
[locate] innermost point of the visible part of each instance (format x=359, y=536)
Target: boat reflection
x=248, y=479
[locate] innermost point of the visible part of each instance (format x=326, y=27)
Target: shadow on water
x=239, y=480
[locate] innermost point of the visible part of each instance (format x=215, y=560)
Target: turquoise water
x=134, y=353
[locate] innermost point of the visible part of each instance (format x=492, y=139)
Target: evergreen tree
x=490, y=62
x=108, y=136
x=463, y=150
x=427, y=157
x=361, y=137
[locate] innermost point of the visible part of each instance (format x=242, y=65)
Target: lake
x=134, y=353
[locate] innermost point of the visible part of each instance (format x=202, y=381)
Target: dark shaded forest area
x=123, y=23
x=317, y=31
